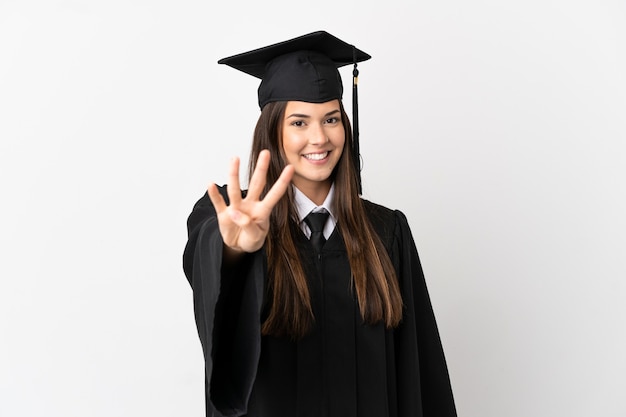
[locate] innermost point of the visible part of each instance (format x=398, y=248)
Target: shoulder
x=388, y=223
x=377, y=213
x=381, y=214
x=203, y=209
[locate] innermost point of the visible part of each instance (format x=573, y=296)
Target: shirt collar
x=304, y=205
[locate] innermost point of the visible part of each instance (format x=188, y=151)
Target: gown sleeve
x=227, y=307
x=421, y=361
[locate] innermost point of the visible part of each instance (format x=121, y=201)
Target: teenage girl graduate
x=309, y=300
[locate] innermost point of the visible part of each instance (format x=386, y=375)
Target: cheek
x=289, y=149
x=339, y=138
x=292, y=143
x=287, y=143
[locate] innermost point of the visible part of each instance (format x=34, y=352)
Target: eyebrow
x=306, y=116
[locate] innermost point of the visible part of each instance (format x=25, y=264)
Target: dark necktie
x=316, y=222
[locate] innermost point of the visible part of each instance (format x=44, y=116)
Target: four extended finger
x=216, y=198
x=259, y=176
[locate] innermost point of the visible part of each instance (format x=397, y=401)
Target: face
x=313, y=138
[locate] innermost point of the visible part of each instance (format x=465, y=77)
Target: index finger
x=279, y=188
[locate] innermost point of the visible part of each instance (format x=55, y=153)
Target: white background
x=499, y=128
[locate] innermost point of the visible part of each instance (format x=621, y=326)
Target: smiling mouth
x=316, y=156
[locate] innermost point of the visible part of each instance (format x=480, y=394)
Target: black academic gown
x=343, y=368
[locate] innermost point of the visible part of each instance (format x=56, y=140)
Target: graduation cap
x=304, y=69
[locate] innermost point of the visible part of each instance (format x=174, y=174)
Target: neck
x=317, y=193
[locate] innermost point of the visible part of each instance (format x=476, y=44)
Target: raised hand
x=244, y=223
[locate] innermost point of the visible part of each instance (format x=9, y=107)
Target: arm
x=418, y=342
x=224, y=264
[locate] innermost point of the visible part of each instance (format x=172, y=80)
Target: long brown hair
x=373, y=274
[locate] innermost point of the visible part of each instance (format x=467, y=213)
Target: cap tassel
x=355, y=121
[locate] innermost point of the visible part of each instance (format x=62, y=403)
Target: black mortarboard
x=303, y=69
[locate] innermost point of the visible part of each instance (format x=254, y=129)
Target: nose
x=317, y=135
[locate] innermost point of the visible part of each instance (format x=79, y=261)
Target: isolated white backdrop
x=499, y=128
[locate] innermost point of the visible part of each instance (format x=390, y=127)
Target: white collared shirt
x=304, y=206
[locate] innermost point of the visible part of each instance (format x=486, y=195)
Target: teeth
x=316, y=156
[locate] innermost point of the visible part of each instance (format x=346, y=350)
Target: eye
x=297, y=123
x=332, y=120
